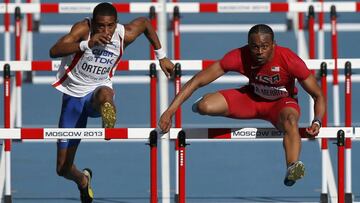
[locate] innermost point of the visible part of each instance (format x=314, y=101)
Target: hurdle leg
x=341, y=155
x=7, y=196
x=181, y=159
x=324, y=192
x=153, y=167
x=348, y=191
x=348, y=123
x=176, y=196
x=7, y=142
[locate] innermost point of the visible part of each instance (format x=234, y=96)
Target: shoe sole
x=88, y=174
x=297, y=172
x=108, y=115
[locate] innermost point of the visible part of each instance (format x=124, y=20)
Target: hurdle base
x=176, y=198
x=324, y=198
x=7, y=199
x=348, y=198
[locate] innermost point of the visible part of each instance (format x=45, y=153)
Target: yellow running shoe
x=87, y=194
x=108, y=115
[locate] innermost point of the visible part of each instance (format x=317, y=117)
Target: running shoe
x=194, y=107
x=294, y=172
x=87, y=194
x=108, y=115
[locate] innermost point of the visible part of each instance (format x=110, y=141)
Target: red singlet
x=271, y=86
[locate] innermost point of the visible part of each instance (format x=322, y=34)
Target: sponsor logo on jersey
x=272, y=79
x=268, y=92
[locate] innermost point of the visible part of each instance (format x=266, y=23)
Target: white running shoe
x=294, y=172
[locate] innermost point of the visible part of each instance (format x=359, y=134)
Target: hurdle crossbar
x=252, y=133
x=76, y=133
x=186, y=65
x=185, y=7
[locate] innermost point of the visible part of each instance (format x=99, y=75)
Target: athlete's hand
x=99, y=39
x=313, y=130
x=166, y=66
x=165, y=122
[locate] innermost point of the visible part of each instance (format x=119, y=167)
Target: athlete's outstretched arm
x=69, y=43
x=142, y=25
x=202, y=78
x=139, y=26
x=311, y=87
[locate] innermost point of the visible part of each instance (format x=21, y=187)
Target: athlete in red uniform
x=270, y=94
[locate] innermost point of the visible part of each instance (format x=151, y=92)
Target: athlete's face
x=261, y=47
x=105, y=25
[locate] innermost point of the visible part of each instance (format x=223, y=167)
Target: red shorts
x=244, y=104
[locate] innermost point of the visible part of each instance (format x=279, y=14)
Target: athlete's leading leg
x=213, y=104
x=288, y=122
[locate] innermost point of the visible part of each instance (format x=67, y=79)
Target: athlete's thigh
x=282, y=109
x=89, y=106
x=241, y=103
x=72, y=116
x=214, y=104
x=72, y=112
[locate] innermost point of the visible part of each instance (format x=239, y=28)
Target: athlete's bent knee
x=63, y=170
x=290, y=122
x=203, y=107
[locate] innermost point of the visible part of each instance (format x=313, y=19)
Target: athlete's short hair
x=104, y=9
x=261, y=28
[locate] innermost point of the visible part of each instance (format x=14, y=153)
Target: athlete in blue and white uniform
x=90, y=53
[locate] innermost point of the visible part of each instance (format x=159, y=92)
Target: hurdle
x=149, y=135
x=245, y=134
x=320, y=7
x=185, y=64
x=87, y=133
x=348, y=123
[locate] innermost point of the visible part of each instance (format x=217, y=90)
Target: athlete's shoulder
x=83, y=24
x=234, y=59
x=237, y=52
x=120, y=28
x=81, y=28
x=285, y=52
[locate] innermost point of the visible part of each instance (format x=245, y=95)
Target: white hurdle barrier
x=186, y=65
x=146, y=134
x=243, y=134
x=76, y=133
x=185, y=7
x=205, y=28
